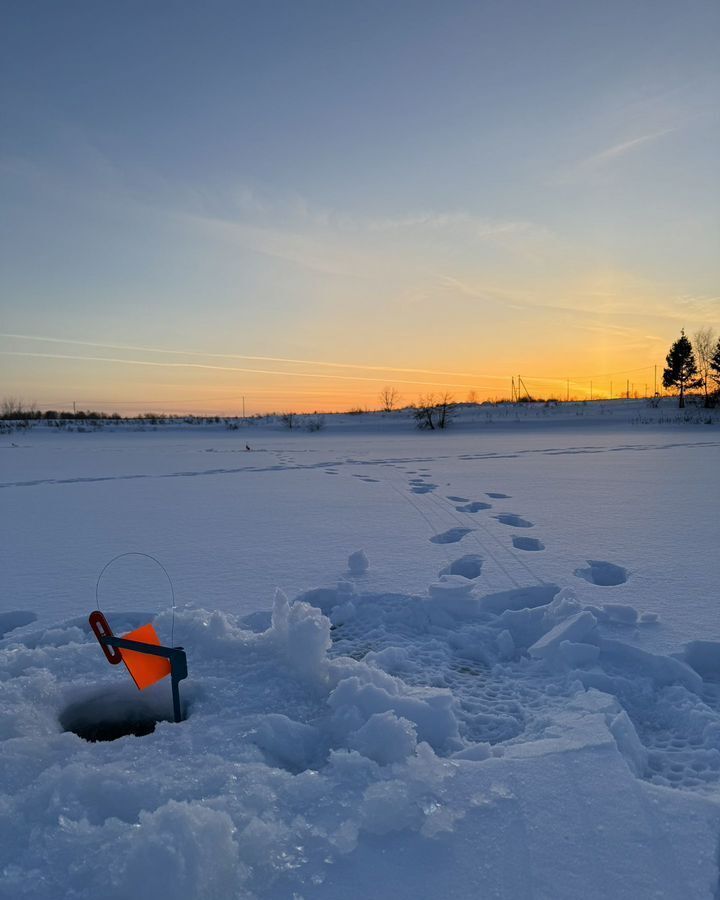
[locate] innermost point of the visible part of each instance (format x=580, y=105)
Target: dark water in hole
x=110, y=716
x=111, y=731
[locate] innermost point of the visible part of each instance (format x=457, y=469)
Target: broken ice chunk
x=573, y=629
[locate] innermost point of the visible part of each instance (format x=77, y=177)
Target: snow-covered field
x=518, y=697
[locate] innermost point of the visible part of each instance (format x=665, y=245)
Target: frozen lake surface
x=495, y=699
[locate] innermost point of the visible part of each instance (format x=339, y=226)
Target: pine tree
x=682, y=370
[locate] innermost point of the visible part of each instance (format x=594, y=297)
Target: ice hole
x=114, y=713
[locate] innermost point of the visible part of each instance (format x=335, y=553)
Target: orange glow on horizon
x=128, y=381
x=303, y=395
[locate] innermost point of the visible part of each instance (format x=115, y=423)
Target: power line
x=588, y=377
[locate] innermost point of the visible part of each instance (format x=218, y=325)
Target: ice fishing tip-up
x=146, y=659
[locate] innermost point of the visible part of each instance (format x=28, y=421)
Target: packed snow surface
x=435, y=711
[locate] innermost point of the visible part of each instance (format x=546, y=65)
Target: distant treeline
x=15, y=411
x=32, y=414
x=15, y=414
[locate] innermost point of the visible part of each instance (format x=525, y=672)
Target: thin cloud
x=604, y=158
x=621, y=149
x=606, y=329
x=197, y=353
x=205, y=366
x=307, y=251
x=474, y=226
x=632, y=301
x=410, y=221
x=490, y=295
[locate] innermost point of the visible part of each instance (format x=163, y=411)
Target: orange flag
x=144, y=668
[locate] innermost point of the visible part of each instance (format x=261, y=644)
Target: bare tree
x=445, y=409
x=288, y=419
x=704, y=346
x=314, y=423
x=715, y=367
x=424, y=412
x=430, y=413
x=388, y=399
x=11, y=408
x=472, y=397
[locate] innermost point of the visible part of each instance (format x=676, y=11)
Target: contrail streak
x=277, y=359
x=184, y=365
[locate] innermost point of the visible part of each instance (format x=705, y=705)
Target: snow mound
x=358, y=563
x=385, y=738
x=308, y=739
x=454, y=592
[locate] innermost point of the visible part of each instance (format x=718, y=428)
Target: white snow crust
x=439, y=713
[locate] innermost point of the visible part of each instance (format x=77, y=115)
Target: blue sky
x=482, y=188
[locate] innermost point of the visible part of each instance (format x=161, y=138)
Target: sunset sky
x=300, y=202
